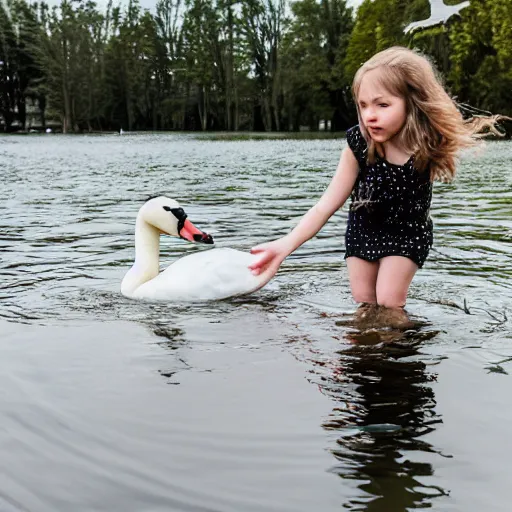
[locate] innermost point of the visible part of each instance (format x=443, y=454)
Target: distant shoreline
x=226, y=136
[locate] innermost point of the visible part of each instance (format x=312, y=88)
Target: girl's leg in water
x=363, y=279
x=393, y=280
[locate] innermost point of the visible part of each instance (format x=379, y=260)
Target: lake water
x=255, y=404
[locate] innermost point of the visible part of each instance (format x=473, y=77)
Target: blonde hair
x=434, y=128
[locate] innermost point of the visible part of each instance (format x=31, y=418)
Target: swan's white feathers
x=207, y=275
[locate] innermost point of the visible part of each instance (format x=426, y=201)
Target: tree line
x=268, y=65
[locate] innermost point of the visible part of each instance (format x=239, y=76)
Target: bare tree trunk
x=230, y=73
x=66, y=121
x=237, y=113
x=22, y=113
x=129, y=109
x=184, y=109
x=202, y=106
x=275, y=108
x=267, y=114
x=41, y=101
x=66, y=125
x=205, y=111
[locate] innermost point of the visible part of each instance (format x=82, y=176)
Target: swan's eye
x=179, y=213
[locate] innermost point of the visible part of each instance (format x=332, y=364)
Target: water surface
x=258, y=403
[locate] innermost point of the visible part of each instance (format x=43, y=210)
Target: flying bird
x=439, y=13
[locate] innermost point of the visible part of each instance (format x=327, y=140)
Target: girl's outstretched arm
x=338, y=191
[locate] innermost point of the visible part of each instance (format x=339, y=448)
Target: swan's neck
x=147, y=253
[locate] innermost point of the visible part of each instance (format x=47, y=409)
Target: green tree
x=201, y=28
x=263, y=32
x=315, y=46
x=171, y=64
x=379, y=25
x=9, y=87
x=481, y=56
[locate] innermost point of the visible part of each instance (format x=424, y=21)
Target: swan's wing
x=205, y=275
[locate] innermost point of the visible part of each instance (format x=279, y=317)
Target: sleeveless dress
x=389, y=213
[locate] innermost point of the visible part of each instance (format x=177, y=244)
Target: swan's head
x=169, y=217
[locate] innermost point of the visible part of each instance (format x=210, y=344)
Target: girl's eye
x=383, y=105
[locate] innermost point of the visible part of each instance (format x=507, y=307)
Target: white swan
x=206, y=275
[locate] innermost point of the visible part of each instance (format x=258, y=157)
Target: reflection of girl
x=385, y=405
x=409, y=134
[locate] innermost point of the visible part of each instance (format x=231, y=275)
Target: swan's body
x=207, y=275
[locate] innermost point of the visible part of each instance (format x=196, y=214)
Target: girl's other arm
x=338, y=191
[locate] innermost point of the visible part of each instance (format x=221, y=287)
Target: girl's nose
x=371, y=116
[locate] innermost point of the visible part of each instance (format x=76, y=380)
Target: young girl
x=409, y=134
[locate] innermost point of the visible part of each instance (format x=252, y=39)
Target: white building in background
x=324, y=125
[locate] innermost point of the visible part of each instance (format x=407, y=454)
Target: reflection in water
x=384, y=405
x=173, y=338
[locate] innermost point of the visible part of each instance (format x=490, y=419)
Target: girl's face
x=382, y=113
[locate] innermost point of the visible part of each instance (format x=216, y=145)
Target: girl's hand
x=272, y=255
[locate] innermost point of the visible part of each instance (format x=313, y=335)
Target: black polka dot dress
x=390, y=208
